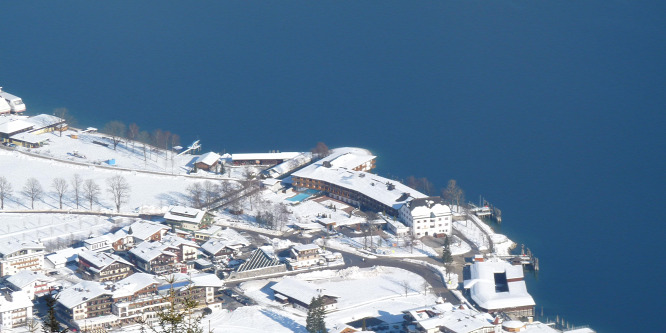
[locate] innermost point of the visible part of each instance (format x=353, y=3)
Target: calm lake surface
x=552, y=110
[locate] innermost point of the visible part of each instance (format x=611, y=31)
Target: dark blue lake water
x=553, y=110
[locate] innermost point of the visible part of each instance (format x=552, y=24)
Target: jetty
x=525, y=258
x=486, y=209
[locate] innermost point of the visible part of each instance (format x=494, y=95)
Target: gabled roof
x=81, y=292
x=143, y=229
x=10, y=246
x=101, y=260
x=208, y=158
x=133, y=283
x=147, y=251
x=305, y=247
x=26, y=278
x=225, y=238
x=423, y=207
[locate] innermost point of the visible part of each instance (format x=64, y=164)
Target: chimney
x=327, y=164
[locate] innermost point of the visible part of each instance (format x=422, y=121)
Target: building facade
x=16, y=256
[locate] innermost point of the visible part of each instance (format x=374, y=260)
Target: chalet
x=496, y=285
x=34, y=284
x=89, y=302
x=187, y=218
x=262, y=158
x=300, y=293
x=138, y=232
x=225, y=242
x=304, y=255
x=208, y=161
x=61, y=258
x=103, y=266
x=15, y=310
x=428, y=217
x=170, y=255
x=16, y=256
x=203, y=235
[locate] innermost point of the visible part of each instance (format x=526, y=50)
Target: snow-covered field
x=146, y=189
x=364, y=292
x=49, y=228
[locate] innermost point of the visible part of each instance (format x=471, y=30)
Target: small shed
x=207, y=161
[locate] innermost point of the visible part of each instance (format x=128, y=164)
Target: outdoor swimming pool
x=302, y=196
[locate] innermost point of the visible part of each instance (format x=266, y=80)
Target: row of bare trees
x=118, y=131
x=81, y=190
x=453, y=194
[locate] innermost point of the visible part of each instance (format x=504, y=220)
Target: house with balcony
x=15, y=310
x=304, y=256
x=428, y=216
x=100, y=266
x=34, y=284
x=169, y=255
x=187, y=218
x=19, y=255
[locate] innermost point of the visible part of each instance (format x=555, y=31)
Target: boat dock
x=486, y=209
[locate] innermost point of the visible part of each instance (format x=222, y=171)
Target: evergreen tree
x=50, y=324
x=447, y=258
x=315, y=322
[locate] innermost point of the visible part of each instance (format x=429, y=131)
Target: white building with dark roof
x=428, y=216
x=17, y=255
x=496, y=285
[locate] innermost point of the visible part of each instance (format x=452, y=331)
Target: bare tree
x=33, y=325
x=133, y=133
x=425, y=285
x=91, y=191
x=77, y=182
x=63, y=114
x=60, y=187
x=210, y=192
x=453, y=194
x=119, y=189
x=5, y=191
x=281, y=213
x=116, y=130
x=420, y=184
x=405, y=285
x=33, y=191
x=320, y=150
x=196, y=192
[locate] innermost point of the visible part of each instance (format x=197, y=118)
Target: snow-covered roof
x=482, y=285
x=28, y=137
x=386, y=191
x=349, y=157
x=457, y=320
x=197, y=280
x=287, y=166
x=208, y=158
x=64, y=256
x=7, y=95
x=10, y=246
x=17, y=300
x=301, y=291
x=305, y=247
x=133, y=283
x=147, y=251
x=81, y=292
x=25, y=278
x=210, y=231
x=184, y=214
x=14, y=126
x=426, y=207
x=144, y=229
x=264, y=156
x=225, y=238
x=44, y=120
x=100, y=260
